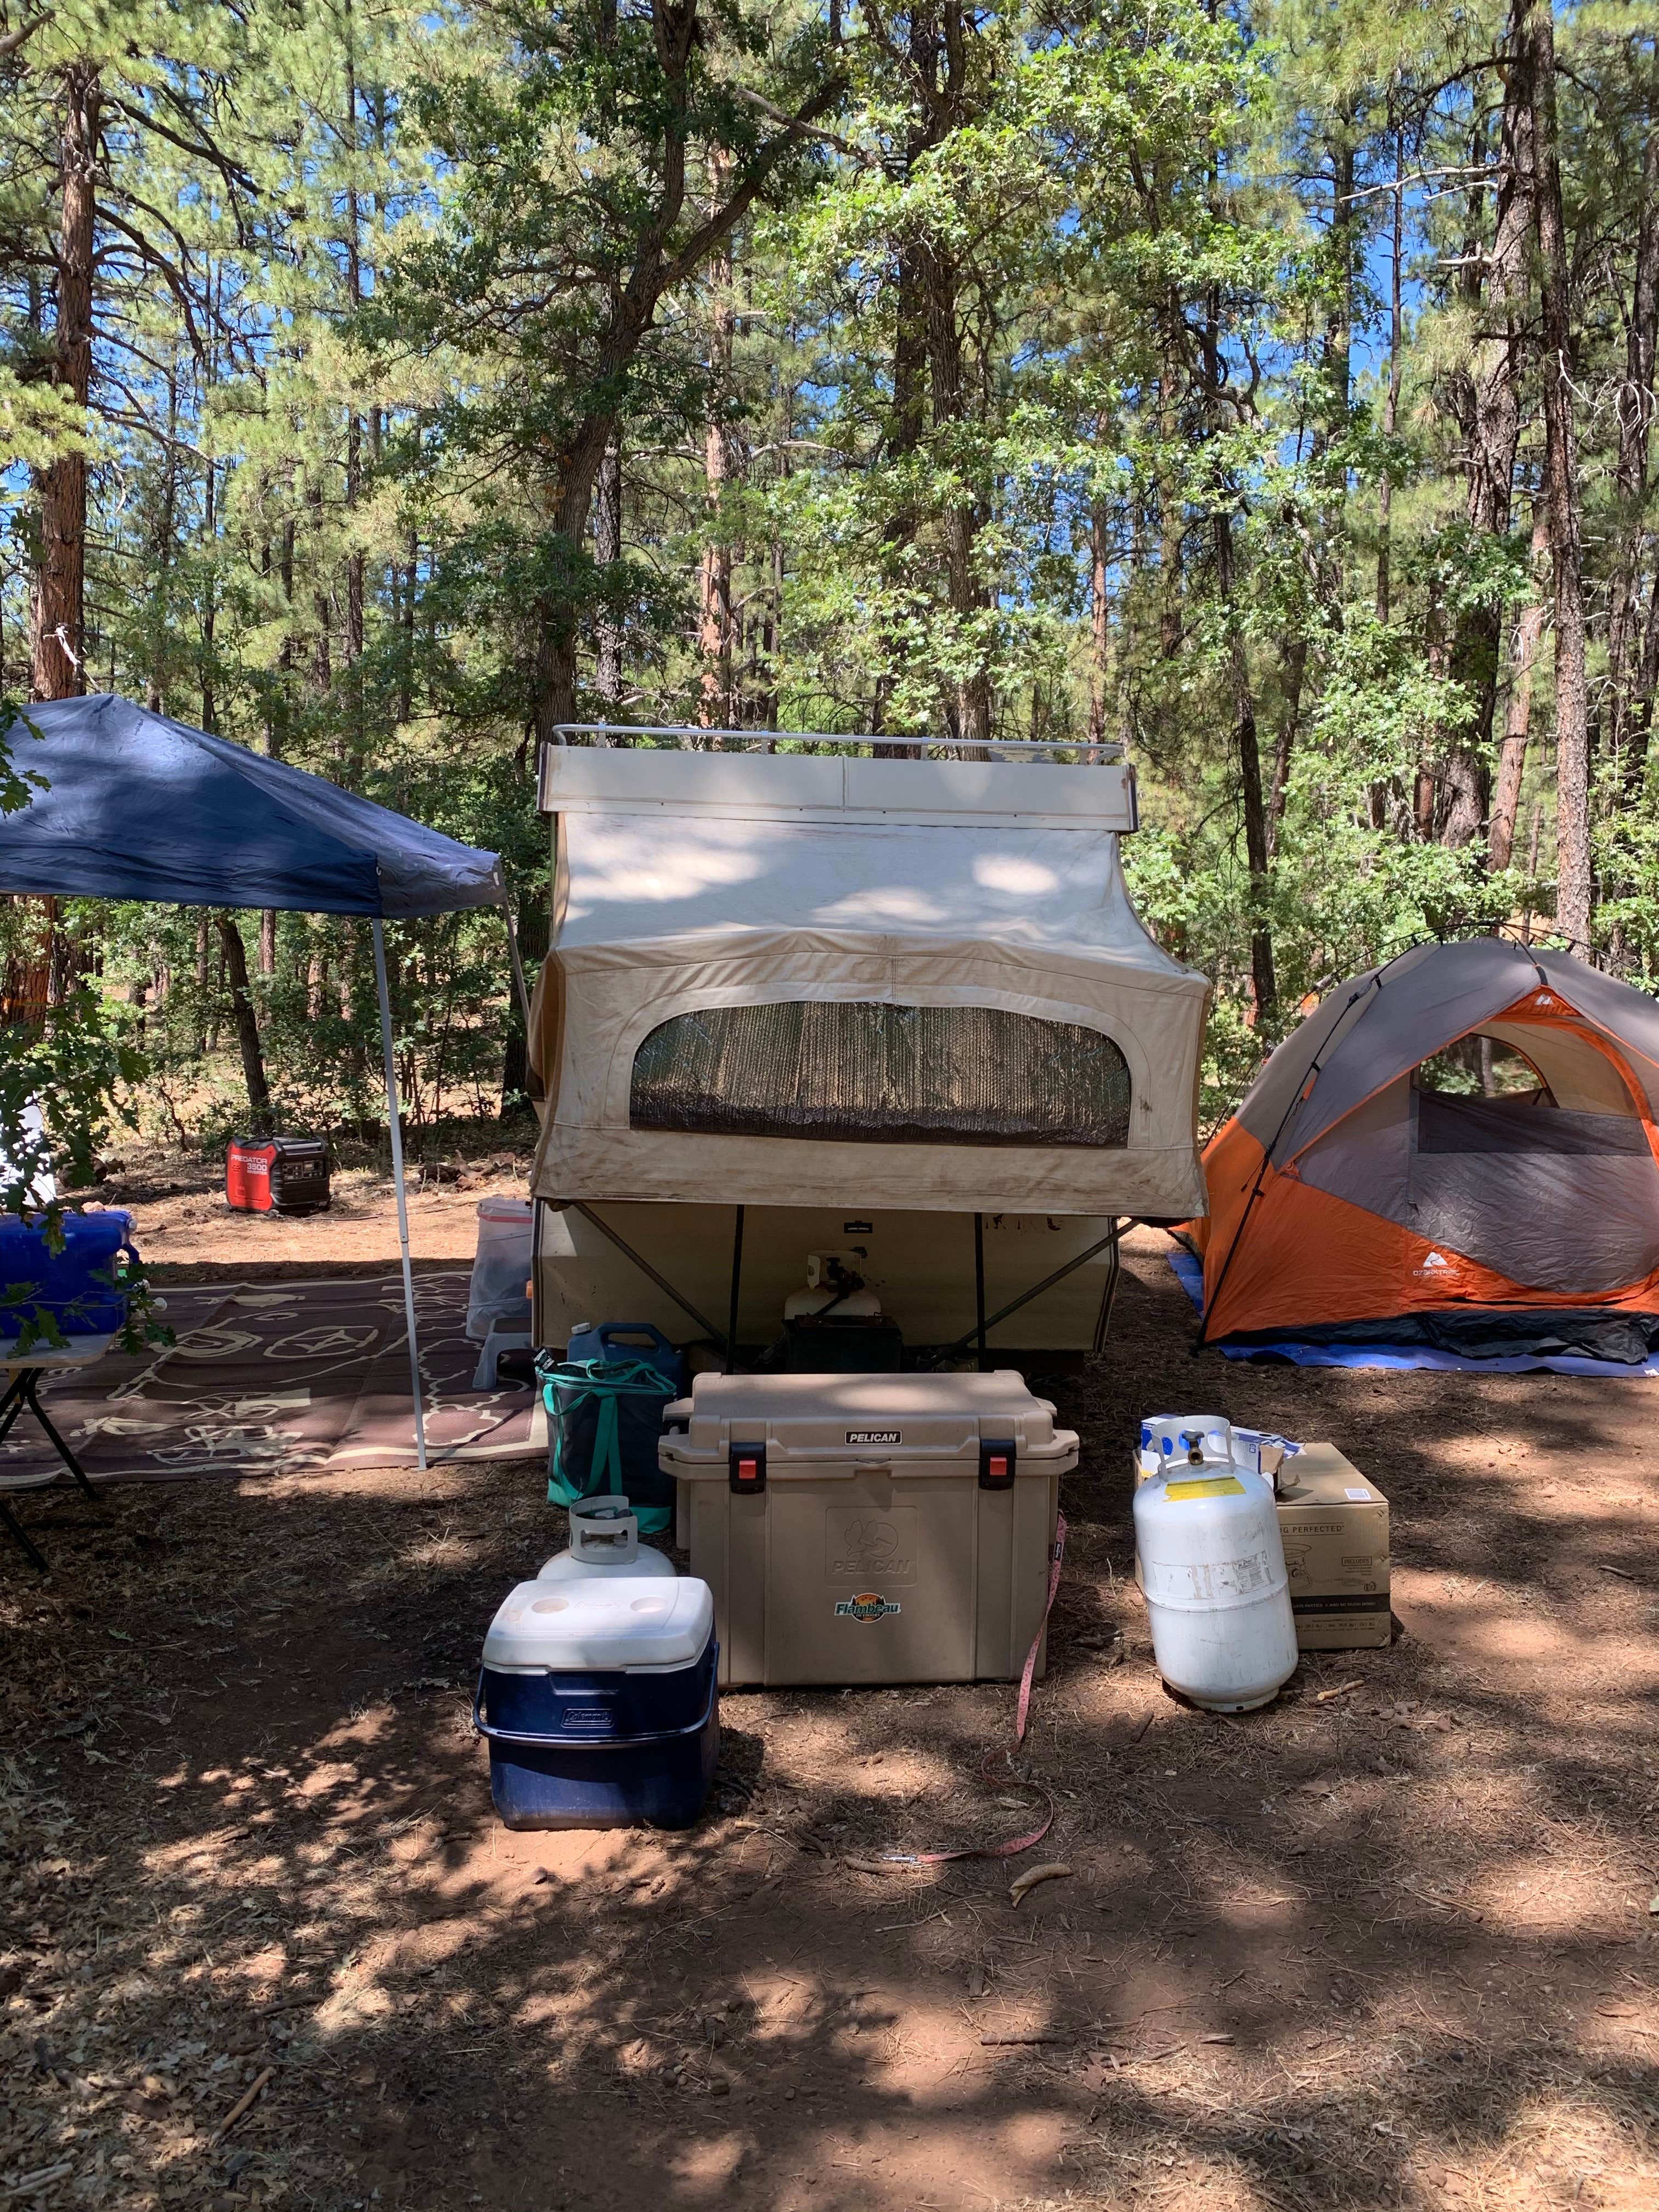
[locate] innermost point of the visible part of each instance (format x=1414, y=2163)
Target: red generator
x=276, y=1175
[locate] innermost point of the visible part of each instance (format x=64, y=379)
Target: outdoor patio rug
x=276, y=1377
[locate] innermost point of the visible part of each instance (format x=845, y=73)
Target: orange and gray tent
x=1353, y=1202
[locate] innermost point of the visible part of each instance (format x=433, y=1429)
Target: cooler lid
x=603, y=1623
x=912, y=1418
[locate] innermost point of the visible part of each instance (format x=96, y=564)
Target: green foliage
x=1043, y=385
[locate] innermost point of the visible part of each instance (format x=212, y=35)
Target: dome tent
x=1354, y=1198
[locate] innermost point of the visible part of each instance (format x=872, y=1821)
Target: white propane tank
x=1212, y=1570
x=604, y=1539
x=834, y=1285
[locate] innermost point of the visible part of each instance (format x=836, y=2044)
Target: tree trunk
x=1641, y=717
x=57, y=601
x=210, y=609
x=1170, y=512
x=715, y=706
x=607, y=548
x=1495, y=427
x=1264, y=987
x=353, y=606
x=1396, y=370
x=962, y=519
x=1572, y=838
x=1295, y=672
x=248, y=1025
x=1517, y=719
x=534, y=928
x=1100, y=631
x=1635, y=417
x=905, y=423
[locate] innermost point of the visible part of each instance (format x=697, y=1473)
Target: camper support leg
x=646, y=1268
x=731, y=1309
x=1108, y=1295
x=1036, y=1291
x=979, y=1291
x=518, y=967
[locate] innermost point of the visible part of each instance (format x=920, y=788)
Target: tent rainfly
x=1460, y=1148
x=137, y=807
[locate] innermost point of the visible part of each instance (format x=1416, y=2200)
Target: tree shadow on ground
x=1384, y=1943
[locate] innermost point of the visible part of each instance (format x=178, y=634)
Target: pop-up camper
x=813, y=1020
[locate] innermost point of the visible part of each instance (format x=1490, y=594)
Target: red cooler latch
x=996, y=1463
x=747, y=1469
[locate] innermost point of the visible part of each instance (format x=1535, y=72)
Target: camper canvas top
x=918, y=983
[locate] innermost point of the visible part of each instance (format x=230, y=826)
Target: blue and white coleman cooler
x=597, y=1696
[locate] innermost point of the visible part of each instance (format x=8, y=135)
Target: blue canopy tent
x=136, y=807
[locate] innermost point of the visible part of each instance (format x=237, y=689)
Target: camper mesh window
x=881, y=1074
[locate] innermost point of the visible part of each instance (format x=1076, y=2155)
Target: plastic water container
x=599, y=1698
x=501, y=1267
x=1211, y=1564
x=79, y=1288
x=627, y=1339
x=604, y=1539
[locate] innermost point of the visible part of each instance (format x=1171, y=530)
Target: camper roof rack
x=808, y=776
x=693, y=738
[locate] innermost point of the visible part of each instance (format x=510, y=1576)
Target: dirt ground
x=187, y=1234
x=1389, y=1942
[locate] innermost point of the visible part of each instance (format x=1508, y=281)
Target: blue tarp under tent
x=133, y=805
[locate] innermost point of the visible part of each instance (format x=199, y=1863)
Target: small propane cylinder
x=1213, y=1569
x=833, y=1285
x=604, y=1539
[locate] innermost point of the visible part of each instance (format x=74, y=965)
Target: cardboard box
x=1334, y=1522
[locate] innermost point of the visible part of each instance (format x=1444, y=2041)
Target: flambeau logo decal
x=868, y=1605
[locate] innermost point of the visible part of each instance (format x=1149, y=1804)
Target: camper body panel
x=920, y=1266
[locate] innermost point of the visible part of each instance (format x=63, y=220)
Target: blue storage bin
x=66, y=1285
x=598, y=1698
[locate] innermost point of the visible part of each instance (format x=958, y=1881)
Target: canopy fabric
x=1350, y=1195
x=139, y=807
x=658, y=914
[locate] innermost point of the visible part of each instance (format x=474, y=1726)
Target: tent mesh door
x=868, y=1073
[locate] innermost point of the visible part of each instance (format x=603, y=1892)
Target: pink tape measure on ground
x=1022, y=1716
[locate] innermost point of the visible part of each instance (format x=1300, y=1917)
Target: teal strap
x=607, y=1448
x=566, y=1389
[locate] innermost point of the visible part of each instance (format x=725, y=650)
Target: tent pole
x=395, y=1122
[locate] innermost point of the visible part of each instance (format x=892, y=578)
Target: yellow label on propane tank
x=1212, y=1486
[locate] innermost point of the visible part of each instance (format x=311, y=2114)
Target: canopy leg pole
x=394, y=1118
x=979, y=1291
x=1108, y=1295
x=731, y=1310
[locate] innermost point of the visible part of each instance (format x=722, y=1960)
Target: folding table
x=25, y=1372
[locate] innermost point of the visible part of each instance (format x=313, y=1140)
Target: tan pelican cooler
x=869, y=1528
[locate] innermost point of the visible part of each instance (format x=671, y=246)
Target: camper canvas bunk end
x=888, y=1029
